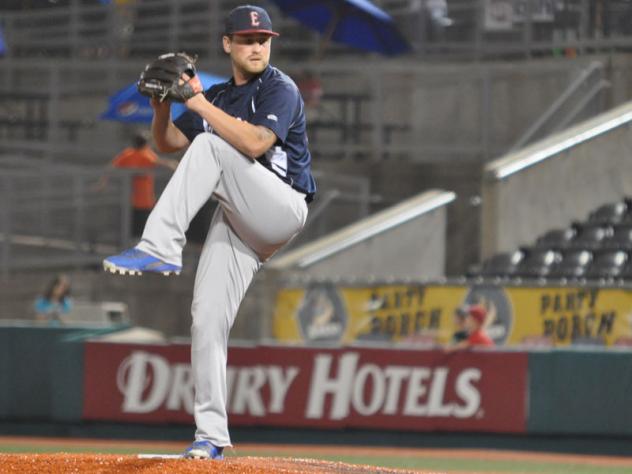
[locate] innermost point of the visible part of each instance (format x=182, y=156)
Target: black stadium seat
x=608, y=213
x=621, y=238
x=590, y=237
x=556, y=239
x=598, y=248
x=537, y=263
x=573, y=264
x=626, y=271
x=502, y=264
x=607, y=264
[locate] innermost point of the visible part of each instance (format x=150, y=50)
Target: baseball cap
x=478, y=313
x=248, y=19
x=461, y=311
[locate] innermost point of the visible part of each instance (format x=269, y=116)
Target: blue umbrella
x=130, y=106
x=3, y=44
x=357, y=23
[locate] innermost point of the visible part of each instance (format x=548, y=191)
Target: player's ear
x=226, y=43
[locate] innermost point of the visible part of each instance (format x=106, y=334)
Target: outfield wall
x=547, y=392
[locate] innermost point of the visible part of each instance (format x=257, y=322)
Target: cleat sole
x=113, y=269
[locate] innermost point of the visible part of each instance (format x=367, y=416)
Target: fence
x=514, y=28
x=368, y=111
x=64, y=61
x=460, y=28
x=548, y=393
x=52, y=215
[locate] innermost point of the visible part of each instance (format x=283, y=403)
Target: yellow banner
x=425, y=314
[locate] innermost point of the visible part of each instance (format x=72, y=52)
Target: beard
x=251, y=67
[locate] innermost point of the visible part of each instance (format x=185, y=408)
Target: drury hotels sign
x=309, y=387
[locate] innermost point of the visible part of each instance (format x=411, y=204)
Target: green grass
x=397, y=461
x=451, y=464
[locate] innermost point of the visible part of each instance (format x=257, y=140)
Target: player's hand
x=195, y=83
x=194, y=102
x=162, y=110
x=159, y=106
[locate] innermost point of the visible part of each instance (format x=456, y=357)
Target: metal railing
x=368, y=111
x=54, y=216
x=133, y=29
x=569, y=105
x=513, y=28
x=89, y=51
x=467, y=28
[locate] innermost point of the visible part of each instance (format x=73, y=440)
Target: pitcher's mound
x=112, y=463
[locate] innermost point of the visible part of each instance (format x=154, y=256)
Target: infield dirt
x=112, y=463
x=246, y=458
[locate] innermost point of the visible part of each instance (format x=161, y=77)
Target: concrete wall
x=404, y=241
x=393, y=184
x=461, y=110
x=374, y=247
x=559, y=188
x=413, y=249
x=472, y=111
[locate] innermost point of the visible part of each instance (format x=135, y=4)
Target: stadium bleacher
x=598, y=248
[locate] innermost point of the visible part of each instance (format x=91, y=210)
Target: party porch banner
x=557, y=316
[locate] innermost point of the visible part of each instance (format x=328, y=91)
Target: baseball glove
x=162, y=78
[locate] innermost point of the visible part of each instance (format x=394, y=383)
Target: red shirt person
x=143, y=195
x=141, y=157
x=475, y=323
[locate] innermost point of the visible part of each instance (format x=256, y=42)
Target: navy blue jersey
x=273, y=101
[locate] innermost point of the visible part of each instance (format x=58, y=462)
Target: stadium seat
x=599, y=248
x=556, y=239
x=607, y=264
x=537, y=263
x=621, y=238
x=573, y=264
x=590, y=237
x=611, y=213
x=626, y=271
x=502, y=265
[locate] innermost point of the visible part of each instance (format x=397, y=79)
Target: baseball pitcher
x=247, y=148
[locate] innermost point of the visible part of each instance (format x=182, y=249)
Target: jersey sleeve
x=190, y=124
x=276, y=107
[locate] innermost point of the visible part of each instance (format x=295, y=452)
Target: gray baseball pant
x=258, y=214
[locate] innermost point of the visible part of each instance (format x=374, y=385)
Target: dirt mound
x=112, y=463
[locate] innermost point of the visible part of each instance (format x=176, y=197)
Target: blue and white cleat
x=134, y=262
x=203, y=450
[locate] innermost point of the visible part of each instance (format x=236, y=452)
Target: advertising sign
x=558, y=316
x=320, y=388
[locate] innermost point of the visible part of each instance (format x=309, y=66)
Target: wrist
x=196, y=102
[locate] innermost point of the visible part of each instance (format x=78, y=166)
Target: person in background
x=139, y=156
x=55, y=302
x=311, y=89
x=475, y=323
x=460, y=330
